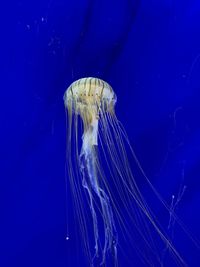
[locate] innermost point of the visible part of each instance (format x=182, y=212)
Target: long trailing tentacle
x=88, y=164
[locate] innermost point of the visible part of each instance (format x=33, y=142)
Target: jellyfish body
x=109, y=193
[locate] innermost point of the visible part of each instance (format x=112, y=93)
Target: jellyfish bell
x=90, y=94
x=88, y=97
x=115, y=201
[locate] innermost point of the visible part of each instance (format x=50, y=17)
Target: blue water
x=149, y=51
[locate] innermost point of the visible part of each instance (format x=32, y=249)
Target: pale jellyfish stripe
x=90, y=104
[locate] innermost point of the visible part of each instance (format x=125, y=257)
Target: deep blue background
x=149, y=51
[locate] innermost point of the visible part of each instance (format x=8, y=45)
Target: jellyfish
x=101, y=178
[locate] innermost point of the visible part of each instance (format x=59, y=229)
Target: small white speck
x=44, y=19
x=67, y=238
